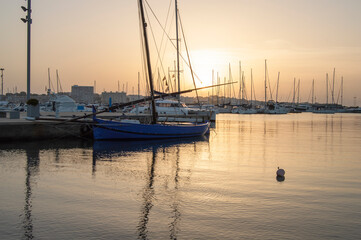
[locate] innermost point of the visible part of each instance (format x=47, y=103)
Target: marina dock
x=48, y=126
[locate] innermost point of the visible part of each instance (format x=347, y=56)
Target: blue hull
x=111, y=130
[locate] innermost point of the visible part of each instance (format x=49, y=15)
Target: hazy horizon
x=99, y=41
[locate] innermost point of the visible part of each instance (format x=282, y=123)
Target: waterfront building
x=82, y=94
x=117, y=97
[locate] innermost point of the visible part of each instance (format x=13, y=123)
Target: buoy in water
x=280, y=179
x=280, y=172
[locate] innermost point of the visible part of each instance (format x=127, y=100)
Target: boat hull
x=112, y=130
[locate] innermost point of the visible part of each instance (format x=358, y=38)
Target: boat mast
x=265, y=82
x=212, y=84
x=298, y=92
x=57, y=81
x=342, y=91
x=138, y=85
x=278, y=81
x=177, y=39
x=294, y=91
x=313, y=90
x=251, y=87
x=240, y=83
x=326, y=88
x=333, y=87
x=49, y=88
x=149, y=68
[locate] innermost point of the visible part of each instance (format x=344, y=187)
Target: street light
x=28, y=20
x=2, y=81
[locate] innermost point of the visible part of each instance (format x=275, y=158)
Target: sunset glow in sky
x=92, y=40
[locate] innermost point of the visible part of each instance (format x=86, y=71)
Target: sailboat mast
x=327, y=88
x=49, y=88
x=212, y=84
x=240, y=83
x=278, y=81
x=313, y=90
x=294, y=91
x=251, y=87
x=57, y=81
x=149, y=68
x=333, y=87
x=265, y=82
x=298, y=92
x=342, y=91
x=177, y=39
x=138, y=85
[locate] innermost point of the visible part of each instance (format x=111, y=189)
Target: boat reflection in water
x=157, y=151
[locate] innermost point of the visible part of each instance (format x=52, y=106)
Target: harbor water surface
x=223, y=186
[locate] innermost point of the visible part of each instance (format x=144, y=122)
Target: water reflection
x=190, y=189
x=280, y=178
x=55, y=145
x=32, y=170
x=148, y=195
x=109, y=150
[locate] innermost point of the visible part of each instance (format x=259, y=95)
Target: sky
x=92, y=40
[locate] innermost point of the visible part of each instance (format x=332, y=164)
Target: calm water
x=221, y=187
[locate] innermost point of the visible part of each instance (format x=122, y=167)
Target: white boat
x=274, y=108
x=60, y=103
x=164, y=107
x=243, y=110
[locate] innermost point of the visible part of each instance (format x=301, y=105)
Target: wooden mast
x=149, y=68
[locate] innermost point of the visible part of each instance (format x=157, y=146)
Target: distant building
x=82, y=94
x=117, y=97
x=131, y=98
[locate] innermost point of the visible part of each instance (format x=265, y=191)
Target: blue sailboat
x=114, y=130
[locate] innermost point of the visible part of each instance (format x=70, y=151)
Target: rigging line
x=166, y=42
x=254, y=90
x=170, y=39
x=232, y=87
x=160, y=59
x=309, y=95
x=61, y=88
x=155, y=43
x=289, y=95
x=190, y=65
x=338, y=95
x=245, y=89
x=269, y=84
x=51, y=83
x=161, y=42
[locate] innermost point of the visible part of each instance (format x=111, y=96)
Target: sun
x=206, y=64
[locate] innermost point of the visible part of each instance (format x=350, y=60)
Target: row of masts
x=242, y=96
x=58, y=83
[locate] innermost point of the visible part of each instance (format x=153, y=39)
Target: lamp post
x=2, y=81
x=28, y=20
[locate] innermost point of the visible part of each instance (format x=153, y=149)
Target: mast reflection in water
x=158, y=151
x=224, y=188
